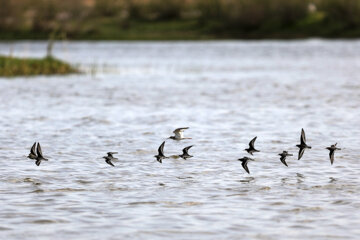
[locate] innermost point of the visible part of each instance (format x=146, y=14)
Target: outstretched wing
x=301, y=153
x=109, y=162
x=38, y=150
x=161, y=149
x=244, y=165
x=302, y=137
x=32, y=150
x=110, y=154
x=282, y=159
x=252, y=142
x=185, y=150
x=37, y=162
x=179, y=132
x=331, y=155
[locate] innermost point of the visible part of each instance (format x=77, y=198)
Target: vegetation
x=178, y=19
x=10, y=66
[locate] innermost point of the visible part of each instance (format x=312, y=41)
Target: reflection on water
x=227, y=93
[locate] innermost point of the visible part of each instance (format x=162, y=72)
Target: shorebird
x=110, y=158
x=251, y=148
x=160, y=155
x=179, y=134
x=40, y=156
x=302, y=146
x=332, y=150
x=244, y=161
x=283, y=156
x=185, y=154
x=32, y=154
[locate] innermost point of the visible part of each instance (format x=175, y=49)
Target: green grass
x=11, y=66
x=110, y=28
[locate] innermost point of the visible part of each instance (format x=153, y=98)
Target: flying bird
x=185, y=154
x=32, y=154
x=244, y=161
x=160, y=155
x=39, y=156
x=110, y=158
x=302, y=146
x=283, y=156
x=179, y=134
x=332, y=150
x=251, y=148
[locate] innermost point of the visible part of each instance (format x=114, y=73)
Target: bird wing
x=179, y=132
x=32, y=150
x=252, y=142
x=110, y=154
x=301, y=153
x=109, y=162
x=282, y=159
x=331, y=155
x=244, y=165
x=38, y=150
x=37, y=162
x=185, y=150
x=161, y=149
x=302, y=137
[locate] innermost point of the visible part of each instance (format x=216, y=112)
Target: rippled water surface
x=132, y=97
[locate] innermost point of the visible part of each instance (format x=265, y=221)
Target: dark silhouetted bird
x=283, y=156
x=251, y=148
x=244, y=161
x=302, y=146
x=332, y=150
x=109, y=158
x=160, y=155
x=185, y=154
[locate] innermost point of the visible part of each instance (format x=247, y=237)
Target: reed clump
x=12, y=66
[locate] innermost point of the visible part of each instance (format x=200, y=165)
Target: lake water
x=130, y=99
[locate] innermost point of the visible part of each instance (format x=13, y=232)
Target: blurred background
x=178, y=19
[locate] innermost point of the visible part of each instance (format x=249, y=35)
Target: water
x=130, y=100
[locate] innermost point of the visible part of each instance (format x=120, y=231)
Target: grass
x=178, y=19
x=11, y=66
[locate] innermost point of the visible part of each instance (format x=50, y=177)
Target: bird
x=302, y=146
x=179, y=134
x=39, y=156
x=110, y=158
x=185, y=154
x=251, y=148
x=332, y=150
x=283, y=156
x=244, y=161
x=32, y=154
x=160, y=155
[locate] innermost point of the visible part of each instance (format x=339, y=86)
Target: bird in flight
x=110, y=158
x=283, y=156
x=160, y=155
x=179, y=134
x=185, y=154
x=251, y=148
x=244, y=161
x=332, y=150
x=302, y=146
